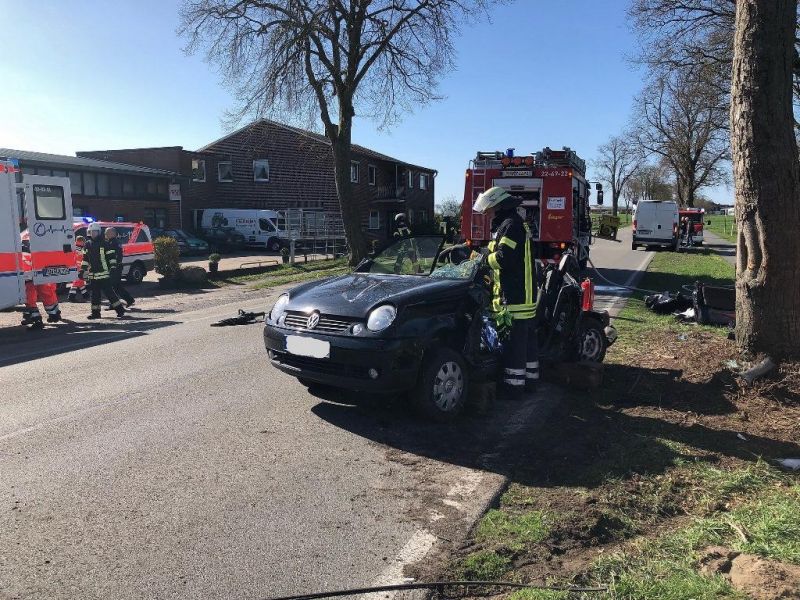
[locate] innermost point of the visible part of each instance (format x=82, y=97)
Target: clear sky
x=99, y=74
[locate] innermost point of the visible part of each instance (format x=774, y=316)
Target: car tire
x=591, y=342
x=443, y=387
x=136, y=273
x=634, y=245
x=275, y=245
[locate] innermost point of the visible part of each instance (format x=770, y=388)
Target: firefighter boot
x=53, y=313
x=120, y=310
x=33, y=320
x=95, y=313
x=72, y=296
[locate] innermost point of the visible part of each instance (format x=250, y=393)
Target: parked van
x=261, y=228
x=655, y=223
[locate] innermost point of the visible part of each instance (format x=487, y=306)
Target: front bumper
x=397, y=361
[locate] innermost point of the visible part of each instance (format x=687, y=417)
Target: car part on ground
x=244, y=318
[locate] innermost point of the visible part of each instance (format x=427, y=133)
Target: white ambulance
x=49, y=255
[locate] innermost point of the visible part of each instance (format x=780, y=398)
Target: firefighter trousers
x=119, y=288
x=521, y=357
x=105, y=287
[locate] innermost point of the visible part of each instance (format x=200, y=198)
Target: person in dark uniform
x=514, y=288
x=98, y=260
x=116, y=273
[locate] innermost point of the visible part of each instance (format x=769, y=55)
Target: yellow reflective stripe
x=492, y=245
x=103, y=259
x=508, y=242
x=528, y=267
x=493, y=262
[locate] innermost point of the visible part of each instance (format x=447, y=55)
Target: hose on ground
x=437, y=584
x=619, y=285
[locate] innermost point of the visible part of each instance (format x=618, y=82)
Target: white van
x=262, y=228
x=655, y=223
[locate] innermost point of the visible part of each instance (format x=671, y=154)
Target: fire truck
x=49, y=254
x=555, y=199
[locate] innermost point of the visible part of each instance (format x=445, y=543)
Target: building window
x=225, y=171
x=374, y=219
x=90, y=184
x=199, y=170
x=410, y=180
x=423, y=216
x=152, y=187
x=57, y=173
x=102, y=184
x=423, y=181
x=372, y=174
x=353, y=172
x=115, y=185
x=75, y=186
x=261, y=169
x=127, y=186
x=156, y=217
x=161, y=188
x=78, y=211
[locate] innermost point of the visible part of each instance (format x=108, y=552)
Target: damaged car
x=414, y=320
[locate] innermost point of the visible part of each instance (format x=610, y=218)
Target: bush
x=193, y=275
x=214, y=258
x=167, y=253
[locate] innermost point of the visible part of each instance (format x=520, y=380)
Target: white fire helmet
x=489, y=199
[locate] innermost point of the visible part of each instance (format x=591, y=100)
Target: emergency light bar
x=517, y=161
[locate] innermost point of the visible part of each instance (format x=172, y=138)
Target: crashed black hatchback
x=411, y=319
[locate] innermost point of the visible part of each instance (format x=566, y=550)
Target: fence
x=316, y=232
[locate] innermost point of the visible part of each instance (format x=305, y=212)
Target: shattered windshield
x=463, y=270
x=408, y=256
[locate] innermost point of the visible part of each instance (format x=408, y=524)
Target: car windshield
x=409, y=256
x=462, y=270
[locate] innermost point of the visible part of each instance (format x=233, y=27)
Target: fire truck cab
x=555, y=199
x=48, y=256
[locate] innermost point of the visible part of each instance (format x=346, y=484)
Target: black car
x=411, y=319
x=224, y=239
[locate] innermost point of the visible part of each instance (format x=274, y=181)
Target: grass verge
x=722, y=225
x=626, y=487
x=283, y=274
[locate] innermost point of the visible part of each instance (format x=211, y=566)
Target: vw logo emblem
x=313, y=320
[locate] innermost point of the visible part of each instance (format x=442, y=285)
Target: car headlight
x=380, y=318
x=279, y=308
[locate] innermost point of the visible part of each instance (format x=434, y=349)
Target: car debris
x=244, y=318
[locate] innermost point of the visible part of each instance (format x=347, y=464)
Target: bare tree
x=680, y=34
x=767, y=178
x=648, y=182
x=450, y=206
x=682, y=120
x=616, y=162
x=300, y=58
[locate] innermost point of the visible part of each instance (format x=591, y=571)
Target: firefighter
x=514, y=288
x=98, y=260
x=79, y=285
x=46, y=294
x=401, y=230
x=116, y=272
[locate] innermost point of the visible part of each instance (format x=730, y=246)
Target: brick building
x=274, y=166
x=107, y=190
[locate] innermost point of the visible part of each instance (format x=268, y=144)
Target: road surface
x=169, y=460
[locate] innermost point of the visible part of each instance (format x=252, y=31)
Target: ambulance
x=48, y=256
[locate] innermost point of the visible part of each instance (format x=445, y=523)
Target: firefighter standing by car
x=116, y=272
x=99, y=258
x=514, y=289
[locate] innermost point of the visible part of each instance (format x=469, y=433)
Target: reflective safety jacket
x=402, y=232
x=99, y=257
x=512, y=263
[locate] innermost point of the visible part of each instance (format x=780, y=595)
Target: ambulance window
x=124, y=234
x=49, y=202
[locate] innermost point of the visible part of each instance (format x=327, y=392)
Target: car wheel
x=634, y=245
x=136, y=273
x=592, y=343
x=275, y=245
x=443, y=387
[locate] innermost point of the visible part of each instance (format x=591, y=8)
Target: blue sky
x=91, y=74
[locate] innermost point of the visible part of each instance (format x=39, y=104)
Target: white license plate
x=644, y=231
x=303, y=346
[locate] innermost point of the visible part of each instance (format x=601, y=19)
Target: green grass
x=515, y=531
x=539, y=595
x=297, y=273
x=669, y=271
x=722, y=225
x=484, y=565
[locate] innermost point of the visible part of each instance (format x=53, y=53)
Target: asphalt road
x=176, y=463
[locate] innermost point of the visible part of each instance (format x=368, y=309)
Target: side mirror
x=599, y=197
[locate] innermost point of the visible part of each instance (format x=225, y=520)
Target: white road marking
x=414, y=551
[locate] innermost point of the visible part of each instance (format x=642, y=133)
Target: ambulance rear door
x=12, y=284
x=48, y=207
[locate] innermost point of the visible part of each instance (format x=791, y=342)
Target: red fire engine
x=555, y=199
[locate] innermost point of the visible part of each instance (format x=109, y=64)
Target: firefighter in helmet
x=514, y=289
x=99, y=258
x=401, y=229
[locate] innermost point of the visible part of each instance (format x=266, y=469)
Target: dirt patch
x=637, y=458
x=757, y=577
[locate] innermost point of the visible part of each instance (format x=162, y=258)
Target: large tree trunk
x=614, y=203
x=767, y=178
x=351, y=213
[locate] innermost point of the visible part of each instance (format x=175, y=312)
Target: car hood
x=356, y=294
